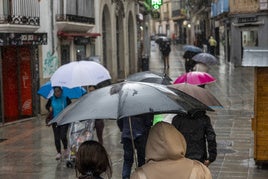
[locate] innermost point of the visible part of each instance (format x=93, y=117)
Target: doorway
x=17, y=83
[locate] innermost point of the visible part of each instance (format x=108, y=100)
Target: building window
x=80, y=52
x=65, y=54
x=250, y=38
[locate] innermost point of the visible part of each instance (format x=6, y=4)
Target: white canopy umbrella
x=80, y=73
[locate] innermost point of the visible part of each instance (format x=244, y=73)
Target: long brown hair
x=92, y=160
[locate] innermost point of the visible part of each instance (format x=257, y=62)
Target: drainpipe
x=52, y=28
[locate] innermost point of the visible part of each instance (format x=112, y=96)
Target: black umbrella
x=189, y=54
x=128, y=99
x=150, y=77
x=162, y=39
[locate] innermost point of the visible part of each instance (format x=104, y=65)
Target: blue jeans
x=140, y=143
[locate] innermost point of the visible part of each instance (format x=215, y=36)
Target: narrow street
x=29, y=151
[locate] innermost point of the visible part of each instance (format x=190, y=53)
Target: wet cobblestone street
x=27, y=148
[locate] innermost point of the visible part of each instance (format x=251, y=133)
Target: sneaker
x=58, y=156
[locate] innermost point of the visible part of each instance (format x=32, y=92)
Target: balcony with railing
x=19, y=15
x=75, y=15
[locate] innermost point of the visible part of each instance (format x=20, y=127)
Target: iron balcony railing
x=81, y=11
x=20, y=12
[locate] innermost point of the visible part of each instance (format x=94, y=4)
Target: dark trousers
x=212, y=50
x=60, y=135
x=99, y=125
x=166, y=61
x=140, y=143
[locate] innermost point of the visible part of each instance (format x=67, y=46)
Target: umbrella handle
x=132, y=141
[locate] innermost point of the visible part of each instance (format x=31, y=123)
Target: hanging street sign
x=156, y=3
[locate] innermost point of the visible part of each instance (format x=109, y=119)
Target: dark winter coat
x=197, y=130
x=165, y=48
x=189, y=63
x=141, y=125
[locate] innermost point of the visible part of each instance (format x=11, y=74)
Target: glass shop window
x=249, y=38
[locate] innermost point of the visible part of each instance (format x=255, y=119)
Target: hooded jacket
x=199, y=135
x=165, y=150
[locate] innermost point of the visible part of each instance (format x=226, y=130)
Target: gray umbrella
x=206, y=58
x=150, y=77
x=128, y=99
x=192, y=48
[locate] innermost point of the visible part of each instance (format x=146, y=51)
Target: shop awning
x=74, y=34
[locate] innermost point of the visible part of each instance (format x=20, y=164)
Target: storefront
x=19, y=74
x=76, y=46
x=246, y=32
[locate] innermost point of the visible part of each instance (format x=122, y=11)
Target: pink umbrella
x=195, y=78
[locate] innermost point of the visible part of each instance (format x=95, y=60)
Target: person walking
x=212, y=45
x=92, y=161
x=165, y=50
x=199, y=135
x=140, y=126
x=99, y=123
x=173, y=38
x=189, y=62
x=56, y=104
x=165, y=157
